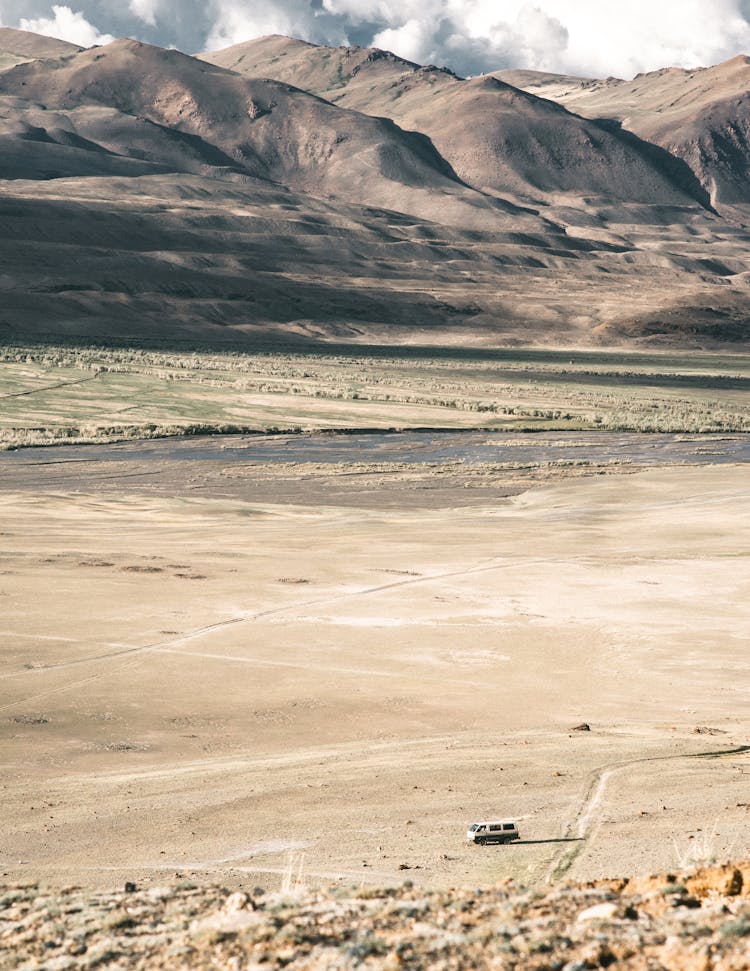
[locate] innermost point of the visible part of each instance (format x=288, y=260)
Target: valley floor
x=227, y=686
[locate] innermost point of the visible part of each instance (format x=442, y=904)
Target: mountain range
x=283, y=189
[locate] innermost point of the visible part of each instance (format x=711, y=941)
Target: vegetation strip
x=49, y=398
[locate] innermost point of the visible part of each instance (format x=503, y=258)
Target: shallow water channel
x=473, y=447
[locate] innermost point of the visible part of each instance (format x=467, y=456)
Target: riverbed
x=395, y=467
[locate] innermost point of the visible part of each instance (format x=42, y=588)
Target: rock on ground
x=697, y=921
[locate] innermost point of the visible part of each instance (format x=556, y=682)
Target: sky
x=593, y=38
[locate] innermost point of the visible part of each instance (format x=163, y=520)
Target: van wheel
x=480, y=840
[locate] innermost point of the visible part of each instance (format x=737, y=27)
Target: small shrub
x=367, y=947
x=674, y=889
x=736, y=928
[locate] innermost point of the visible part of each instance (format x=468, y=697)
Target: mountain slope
x=351, y=73
x=495, y=137
x=147, y=195
x=190, y=258
x=701, y=116
x=251, y=127
x=17, y=46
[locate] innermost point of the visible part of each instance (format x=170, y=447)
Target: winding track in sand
x=168, y=646
x=579, y=829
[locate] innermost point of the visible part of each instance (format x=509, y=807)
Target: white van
x=493, y=831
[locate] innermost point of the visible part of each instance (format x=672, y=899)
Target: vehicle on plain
x=493, y=831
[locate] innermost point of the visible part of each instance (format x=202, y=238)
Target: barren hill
x=357, y=74
x=145, y=193
x=180, y=112
x=701, y=116
x=496, y=137
x=17, y=46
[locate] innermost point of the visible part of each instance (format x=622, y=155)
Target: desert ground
x=235, y=670
x=261, y=623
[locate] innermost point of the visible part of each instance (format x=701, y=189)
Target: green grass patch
x=71, y=393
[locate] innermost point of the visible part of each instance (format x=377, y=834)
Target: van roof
x=494, y=822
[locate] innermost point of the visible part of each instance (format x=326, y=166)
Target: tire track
x=52, y=387
x=68, y=686
x=579, y=828
x=208, y=629
x=134, y=654
x=320, y=667
x=351, y=751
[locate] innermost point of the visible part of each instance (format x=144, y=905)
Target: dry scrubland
x=309, y=679
x=700, y=919
x=204, y=686
x=226, y=672
x=72, y=394
x=223, y=678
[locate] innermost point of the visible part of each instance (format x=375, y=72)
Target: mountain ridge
x=262, y=128
x=494, y=135
x=468, y=209
x=698, y=115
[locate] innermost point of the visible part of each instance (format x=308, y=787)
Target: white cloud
x=413, y=40
x=541, y=31
x=238, y=20
x=477, y=41
x=145, y=10
x=65, y=24
x=597, y=37
x=594, y=37
x=641, y=35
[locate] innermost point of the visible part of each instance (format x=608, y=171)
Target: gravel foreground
x=698, y=921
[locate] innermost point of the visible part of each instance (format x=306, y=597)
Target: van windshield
x=473, y=828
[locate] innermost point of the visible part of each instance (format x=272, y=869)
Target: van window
x=509, y=825
x=495, y=828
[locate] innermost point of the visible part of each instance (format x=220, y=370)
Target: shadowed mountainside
x=701, y=116
x=148, y=194
x=169, y=110
x=496, y=137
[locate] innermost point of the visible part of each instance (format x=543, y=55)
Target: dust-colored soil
x=208, y=685
x=697, y=919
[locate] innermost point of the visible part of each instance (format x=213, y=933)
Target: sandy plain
x=229, y=685
x=248, y=675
